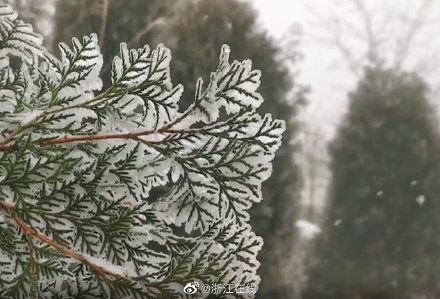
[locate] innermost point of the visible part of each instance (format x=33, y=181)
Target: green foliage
x=382, y=230
x=77, y=165
x=196, y=29
x=193, y=29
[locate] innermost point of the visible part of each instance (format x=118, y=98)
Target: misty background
x=351, y=210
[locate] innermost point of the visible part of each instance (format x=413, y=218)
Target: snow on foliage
x=78, y=167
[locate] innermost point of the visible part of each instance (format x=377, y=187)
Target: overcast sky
x=323, y=68
x=278, y=15
x=327, y=100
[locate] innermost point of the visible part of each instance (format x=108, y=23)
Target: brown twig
x=5, y=145
x=30, y=233
x=89, y=138
x=148, y=27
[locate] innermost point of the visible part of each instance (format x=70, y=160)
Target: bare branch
x=148, y=27
x=405, y=42
x=372, y=44
x=332, y=25
x=105, y=9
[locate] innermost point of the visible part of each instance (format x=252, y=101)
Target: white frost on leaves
x=105, y=264
x=232, y=86
x=144, y=75
x=14, y=120
x=204, y=168
x=28, y=117
x=16, y=85
x=18, y=37
x=307, y=230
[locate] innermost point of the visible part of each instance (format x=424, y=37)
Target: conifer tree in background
x=193, y=30
x=381, y=238
x=77, y=164
x=132, y=21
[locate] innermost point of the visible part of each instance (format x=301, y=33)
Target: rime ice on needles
x=77, y=165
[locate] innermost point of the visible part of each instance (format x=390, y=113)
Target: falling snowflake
x=307, y=229
x=420, y=199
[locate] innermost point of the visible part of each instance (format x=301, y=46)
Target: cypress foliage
x=199, y=27
x=78, y=162
x=193, y=29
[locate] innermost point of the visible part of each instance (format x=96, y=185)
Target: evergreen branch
x=133, y=136
x=89, y=204
x=31, y=124
x=30, y=232
x=110, y=93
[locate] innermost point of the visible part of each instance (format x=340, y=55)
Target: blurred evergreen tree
x=381, y=236
x=195, y=31
x=115, y=21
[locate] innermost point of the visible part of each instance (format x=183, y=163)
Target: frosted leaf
x=106, y=265
x=25, y=117
x=230, y=176
x=130, y=68
x=139, y=198
x=16, y=86
x=75, y=76
x=232, y=86
x=144, y=77
x=17, y=37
